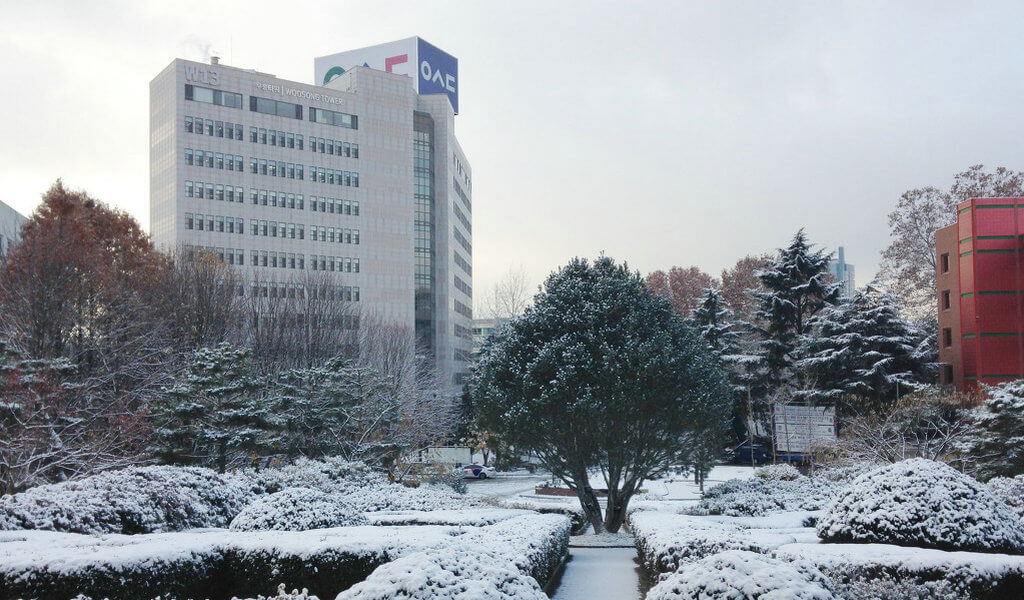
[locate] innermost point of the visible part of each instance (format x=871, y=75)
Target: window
x=330, y=117
x=275, y=107
x=944, y=261
x=211, y=96
x=189, y=223
x=188, y=189
x=945, y=300
x=238, y=136
x=219, y=129
x=946, y=374
x=280, y=139
x=253, y=225
x=209, y=191
x=220, y=224
x=355, y=150
x=240, y=228
x=298, y=140
x=219, y=192
x=188, y=124
x=253, y=135
x=220, y=160
x=199, y=222
x=947, y=338
x=209, y=159
x=188, y=156
x=209, y=127
x=253, y=168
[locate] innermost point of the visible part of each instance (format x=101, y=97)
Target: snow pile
x=466, y=574
x=134, y=500
x=666, y=541
x=741, y=575
x=1010, y=490
x=297, y=509
x=919, y=502
x=779, y=472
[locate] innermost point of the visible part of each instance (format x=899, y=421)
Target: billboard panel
x=800, y=428
x=433, y=70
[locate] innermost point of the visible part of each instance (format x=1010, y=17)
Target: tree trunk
x=615, y=512
x=588, y=500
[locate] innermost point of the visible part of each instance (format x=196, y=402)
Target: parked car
x=757, y=454
x=477, y=471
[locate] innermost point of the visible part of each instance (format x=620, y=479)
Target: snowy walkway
x=599, y=574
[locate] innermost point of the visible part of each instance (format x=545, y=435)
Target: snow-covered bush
x=134, y=500
x=1011, y=491
x=457, y=573
x=779, y=472
x=327, y=475
x=884, y=587
x=297, y=509
x=919, y=502
x=536, y=544
x=757, y=497
x=666, y=541
x=285, y=595
x=741, y=575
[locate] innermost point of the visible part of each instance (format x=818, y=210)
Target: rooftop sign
x=433, y=70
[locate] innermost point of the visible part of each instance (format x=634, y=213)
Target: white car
x=477, y=472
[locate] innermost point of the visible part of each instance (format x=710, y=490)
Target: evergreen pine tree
x=996, y=439
x=862, y=349
x=716, y=325
x=215, y=414
x=797, y=286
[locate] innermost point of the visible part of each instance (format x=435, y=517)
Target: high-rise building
x=360, y=180
x=844, y=274
x=980, y=291
x=10, y=226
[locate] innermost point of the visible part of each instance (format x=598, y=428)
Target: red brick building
x=980, y=276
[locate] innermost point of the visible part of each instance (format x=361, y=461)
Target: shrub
x=453, y=574
x=757, y=497
x=297, y=509
x=919, y=502
x=134, y=500
x=666, y=541
x=779, y=472
x=1011, y=491
x=741, y=575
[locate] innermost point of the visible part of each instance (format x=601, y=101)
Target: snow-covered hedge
x=455, y=574
x=912, y=572
x=134, y=500
x=741, y=575
x=666, y=541
x=757, y=497
x=919, y=502
x=1010, y=490
x=537, y=544
x=472, y=517
x=779, y=472
x=297, y=509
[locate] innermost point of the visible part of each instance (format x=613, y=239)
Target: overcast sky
x=662, y=133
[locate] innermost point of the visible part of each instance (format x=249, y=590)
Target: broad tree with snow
x=602, y=372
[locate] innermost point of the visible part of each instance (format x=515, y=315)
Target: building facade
x=980, y=293
x=10, y=227
x=844, y=274
x=361, y=182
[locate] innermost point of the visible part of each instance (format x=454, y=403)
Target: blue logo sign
x=438, y=72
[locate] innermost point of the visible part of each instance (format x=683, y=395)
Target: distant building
x=358, y=179
x=980, y=282
x=483, y=328
x=844, y=274
x=10, y=226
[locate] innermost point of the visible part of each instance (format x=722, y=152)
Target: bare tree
x=684, y=287
x=908, y=263
x=510, y=295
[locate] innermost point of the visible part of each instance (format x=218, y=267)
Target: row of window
x=463, y=310
x=213, y=160
x=462, y=217
x=211, y=96
x=463, y=355
x=330, y=234
x=273, y=168
x=273, y=289
x=201, y=222
x=461, y=239
x=462, y=194
x=463, y=333
x=221, y=129
x=269, y=106
x=333, y=206
x=463, y=287
x=212, y=191
x=333, y=147
x=231, y=256
x=340, y=264
x=463, y=263
x=461, y=171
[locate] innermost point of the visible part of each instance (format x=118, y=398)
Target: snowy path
x=599, y=574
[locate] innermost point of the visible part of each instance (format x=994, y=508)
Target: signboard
x=799, y=428
x=433, y=70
